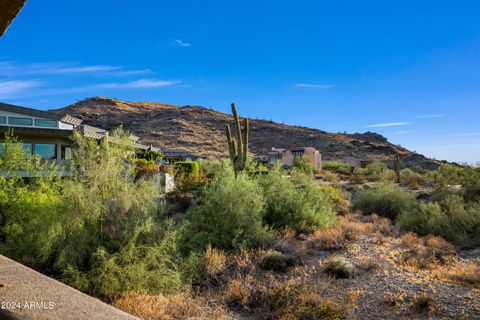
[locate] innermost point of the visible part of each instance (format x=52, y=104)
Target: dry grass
x=343, y=207
x=214, y=261
x=467, y=274
x=426, y=252
x=354, y=230
x=159, y=307
x=393, y=299
x=236, y=294
x=300, y=302
x=327, y=239
x=424, y=304
x=367, y=263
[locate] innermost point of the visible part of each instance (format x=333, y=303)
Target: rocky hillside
x=201, y=131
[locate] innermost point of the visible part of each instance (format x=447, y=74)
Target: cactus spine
x=396, y=167
x=238, y=149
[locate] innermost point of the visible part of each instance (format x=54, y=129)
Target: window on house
x=46, y=151
x=17, y=121
x=28, y=147
x=45, y=123
x=298, y=154
x=3, y=120
x=66, y=152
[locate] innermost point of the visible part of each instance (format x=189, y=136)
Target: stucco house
x=288, y=156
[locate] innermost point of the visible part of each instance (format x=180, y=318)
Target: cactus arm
x=245, y=142
x=231, y=143
x=239, y=132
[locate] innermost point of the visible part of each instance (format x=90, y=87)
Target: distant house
x=47, y=134
x=288, y=156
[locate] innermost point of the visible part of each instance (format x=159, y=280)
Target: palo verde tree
x=238, y=149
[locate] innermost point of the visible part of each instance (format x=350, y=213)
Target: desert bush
x=331, y=176
x=450, y=219
x=236, y=294
x=337, y=167
x=327, y=239
x=178, y=306
x=303, y=164
x=467, y=274
x=339, y=267
x=296, y=202
x=378, y=171
x=277, y=261
x=99, y=229
x=424, y=304
x=387, y=200
x=146, y=168
x=448, y=174
x=359, y=175
x=411, y=178
x=214, y=261
x=300, y=302
x=229, y=216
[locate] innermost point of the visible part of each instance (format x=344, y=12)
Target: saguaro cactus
x=238, y=149
x=396, y=167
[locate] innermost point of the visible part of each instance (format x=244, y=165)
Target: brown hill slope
x=201, y=131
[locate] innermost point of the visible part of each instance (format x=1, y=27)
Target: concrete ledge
x=26, y=294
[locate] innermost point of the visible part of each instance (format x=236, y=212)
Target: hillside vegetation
x=201, y=131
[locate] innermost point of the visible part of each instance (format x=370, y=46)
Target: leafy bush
x=450, y=219
x=277, y=261
x=387, y=200
x=378, y=171
x=410, y=177
x=337, y=167
x=150, y=155
x=146, y=168
x=304, y=165
x=98, y=230
x=359, y=175
x=229, y=216
x=190, y=168
x=296, y=202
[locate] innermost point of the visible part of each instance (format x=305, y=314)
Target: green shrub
x=471, y=186
x=378, y=171
x=296, y=202
x=448, y=174
x=277, y=261
x=359, y=175
x=190, y=168
x=303, y=164
x=450, y=219
x=337, y=166
x=229, y=216
x=340, y=267
x=150, y=155
x=387, y=200
x=410, y=177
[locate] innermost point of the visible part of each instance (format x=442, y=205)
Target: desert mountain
x=201, y=131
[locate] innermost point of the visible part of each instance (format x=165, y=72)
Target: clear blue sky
x=409, y=70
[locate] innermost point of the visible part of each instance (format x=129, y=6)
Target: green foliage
x=386, y=200
x=190, y=168
x=146, y=168
x=98, y=229
x=229, y=216
x=304, y=165
x=378, y=171
x=408, y=176
x=296, y=202
x=448, y=174
x=150, y=155
x=337, y=167
x=277, y=261
x=359, y=175
x=450, y=219
x=238, y=150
